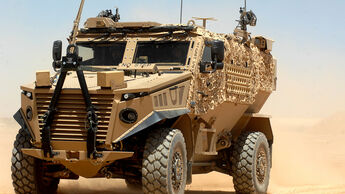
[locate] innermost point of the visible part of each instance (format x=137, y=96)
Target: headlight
x=128, y=115
x=29, y=113
x=129, y=96
x=27, y=94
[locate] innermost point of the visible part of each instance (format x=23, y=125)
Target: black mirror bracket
x=71, y=62
x=215, y=66
x=217, y=55
x=57, y=65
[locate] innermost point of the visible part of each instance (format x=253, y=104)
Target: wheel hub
x=261, y=166
x=177, y=171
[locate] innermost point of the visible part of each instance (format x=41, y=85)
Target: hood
x=153, y=82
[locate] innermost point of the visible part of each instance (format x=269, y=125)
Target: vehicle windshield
x=102, y=54
x=166, y=52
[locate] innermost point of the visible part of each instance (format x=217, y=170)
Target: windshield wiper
x=100, y=37
x=95, y=69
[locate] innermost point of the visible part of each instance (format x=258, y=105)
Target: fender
x=262, y=124
x=153, y=118
x=254, y=122
x=21, y=120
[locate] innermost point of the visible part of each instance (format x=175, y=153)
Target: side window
x=207, y=54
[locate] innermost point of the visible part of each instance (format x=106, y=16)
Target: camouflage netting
x=246, y=71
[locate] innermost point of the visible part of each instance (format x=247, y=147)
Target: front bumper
x=78, y=162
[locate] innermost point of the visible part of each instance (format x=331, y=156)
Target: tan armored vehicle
x=148, y=103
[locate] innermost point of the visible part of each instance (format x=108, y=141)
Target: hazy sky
x=309, y=35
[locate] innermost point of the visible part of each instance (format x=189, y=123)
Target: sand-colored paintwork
x=216, y=102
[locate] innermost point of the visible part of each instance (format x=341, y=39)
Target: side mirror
x=219, y=66
x=215, y=67
x=217, y=51
x=217, y=57
x=57, y=50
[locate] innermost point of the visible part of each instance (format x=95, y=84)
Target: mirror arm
x=57, y=65
x=203, y=66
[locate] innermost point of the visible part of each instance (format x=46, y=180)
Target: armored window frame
x=157, y=54
x=105, y=58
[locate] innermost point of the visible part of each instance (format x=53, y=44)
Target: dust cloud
x=308, y=157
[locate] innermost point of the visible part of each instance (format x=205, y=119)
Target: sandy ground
x=309, y=157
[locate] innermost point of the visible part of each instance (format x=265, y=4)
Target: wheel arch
x=257, y=123
x=254, y=122
x=173, y=120
x=184, y=124
x=156, y=118
x=181, y=122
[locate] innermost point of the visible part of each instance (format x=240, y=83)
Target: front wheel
x=27, y=172
x=251, y=163
x=164, y=167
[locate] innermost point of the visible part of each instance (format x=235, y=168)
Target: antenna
x=116, y=17
x=204, y=20
x=181, y=11
x=246, y=18
x=245, y=5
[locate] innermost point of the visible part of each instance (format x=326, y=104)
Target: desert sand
x=308, y=157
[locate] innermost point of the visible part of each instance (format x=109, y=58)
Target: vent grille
x=70, y=120
x=239, y=81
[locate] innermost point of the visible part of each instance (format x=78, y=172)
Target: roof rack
x=154, y=29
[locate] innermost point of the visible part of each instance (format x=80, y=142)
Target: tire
x=27, y=172
x=164, y=167
x=251, y=163
x=133, y=184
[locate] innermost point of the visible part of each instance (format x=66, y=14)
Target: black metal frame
x=71, y=63
x=155, y=29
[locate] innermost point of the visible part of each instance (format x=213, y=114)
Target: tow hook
x=107, y=173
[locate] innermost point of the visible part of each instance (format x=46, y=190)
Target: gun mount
x=246, y=18
x=109, y=14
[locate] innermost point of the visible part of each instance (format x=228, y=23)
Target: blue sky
x=309, y=35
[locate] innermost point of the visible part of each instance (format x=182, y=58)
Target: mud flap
x=189, y=172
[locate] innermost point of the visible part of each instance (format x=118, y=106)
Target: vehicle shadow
x=118, y=187
x=91, y=191
x=209, y=192
x=128, y=191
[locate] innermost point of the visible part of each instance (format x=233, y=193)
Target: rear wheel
x=28, y=172
x=251, y=163
x=164, y=167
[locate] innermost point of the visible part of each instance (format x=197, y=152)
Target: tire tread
x=22, y=168
x=25, y=169
x=242, y=161
x=155, y=160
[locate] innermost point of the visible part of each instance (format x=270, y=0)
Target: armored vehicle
x=148, y=103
